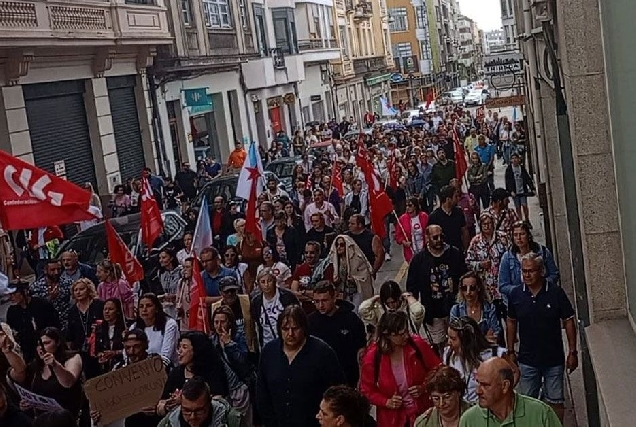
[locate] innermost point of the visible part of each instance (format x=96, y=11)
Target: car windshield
x=282, y=169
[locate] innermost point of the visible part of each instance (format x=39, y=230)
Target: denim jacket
x=416, y=186
x=488, y=316
x=510, y=271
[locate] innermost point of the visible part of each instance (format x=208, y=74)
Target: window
x=284, y=29
x=330, y=26
x=504, y=8
x=421, y=21
x=315, y=17
x=146, y=2
x=402, y=50
x=243, y=15
x=344, y=44
x=186, y=11
x=399, y=21
x=261, y=29
x=217, y=13
x=425, y=49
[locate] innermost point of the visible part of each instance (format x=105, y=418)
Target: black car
x=284, y=168
x=222, y=186
x=92, y=248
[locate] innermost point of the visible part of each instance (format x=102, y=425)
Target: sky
x=487, y=13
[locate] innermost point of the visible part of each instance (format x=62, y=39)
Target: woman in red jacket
x=394, y=371
x=410, y=231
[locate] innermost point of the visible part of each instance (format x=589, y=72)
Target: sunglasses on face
x=340, y=244
x=230, y=255
x=436, y=237
x=469, y=288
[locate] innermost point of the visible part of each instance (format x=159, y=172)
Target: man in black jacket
x=186, y=179
x=335, y=323
x=27, y=315
x=294, y=372
x=433, y=277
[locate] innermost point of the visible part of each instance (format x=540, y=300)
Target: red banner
x=199, y=319
x=151, y=222
x=33, y=198
x=119, y=253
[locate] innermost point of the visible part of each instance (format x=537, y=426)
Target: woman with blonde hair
x=113, y=285
x=82, y=317
x=236, y=238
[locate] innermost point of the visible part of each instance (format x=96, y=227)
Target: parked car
x=225, y=186
x=477, y=97
x=92, y=248
x=283, y=169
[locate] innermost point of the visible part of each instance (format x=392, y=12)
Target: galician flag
x=203, y=230
x=250, y=186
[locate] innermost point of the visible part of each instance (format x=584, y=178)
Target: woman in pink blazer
x=411, y=229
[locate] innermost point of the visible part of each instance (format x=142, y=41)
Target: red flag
x=151, y=222
x=119, y=253
x=460, y=157
x=252, y=224
x=309, y=183
x=33, y=198
x=429, y=98
x=380, y=204
x=336, y=179
x=199, y=320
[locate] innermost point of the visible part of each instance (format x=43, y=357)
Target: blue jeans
x=545, y=383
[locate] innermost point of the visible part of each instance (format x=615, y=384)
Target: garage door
x=58, y=129
x=123, y=109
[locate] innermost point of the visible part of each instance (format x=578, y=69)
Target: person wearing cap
x=504, y=216
x=240, y=306
x=27, y=315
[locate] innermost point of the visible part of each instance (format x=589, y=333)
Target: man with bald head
x=499, y=405
x=433, y=277
x=75, y=270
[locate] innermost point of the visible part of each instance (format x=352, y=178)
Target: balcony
x=277, y=69
x=363, y=10
x=319, y=50
x=342, y=71
x=369, y=65
x=59, y=23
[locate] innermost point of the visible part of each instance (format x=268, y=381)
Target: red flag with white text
x=199, y=320
x=119, y=253
x=151, y=222
x=32, y=198
x=336, y=179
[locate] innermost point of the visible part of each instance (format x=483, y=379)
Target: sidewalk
x=574, y=389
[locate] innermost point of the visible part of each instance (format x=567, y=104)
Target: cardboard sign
x=126, y=391
x=36, y=401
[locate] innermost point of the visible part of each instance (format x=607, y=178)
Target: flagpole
x=403, y=230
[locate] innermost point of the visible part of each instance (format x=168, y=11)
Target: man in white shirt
x=319, y=205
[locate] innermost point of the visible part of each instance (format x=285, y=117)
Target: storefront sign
x=196, y=97
x=508, y=101
x=315, y=98
x=396, y=77
x=289, y=98
x=502, y=64
x=378, y=79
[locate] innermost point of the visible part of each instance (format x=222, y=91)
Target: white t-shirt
x=417, y=233
x=271, y=310
x=470, y=395
x=164, y=343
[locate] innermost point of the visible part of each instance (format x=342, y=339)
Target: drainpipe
x=574, y=227
x=157, y=130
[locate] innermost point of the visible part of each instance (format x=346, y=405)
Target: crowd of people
x=301, y=331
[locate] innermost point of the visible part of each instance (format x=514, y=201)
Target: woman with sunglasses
x=280, y=270
x=411, y=229
x=446, y=387
x=510, y=266
x=485, y=251
x=391, y=298
x=231, y=260
x=467, y=349
x=394, y=371
x=473, y=301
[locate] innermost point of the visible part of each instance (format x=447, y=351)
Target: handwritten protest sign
x=126, y=391
x=36, y=401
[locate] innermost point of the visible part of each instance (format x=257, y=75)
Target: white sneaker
x=387, y=257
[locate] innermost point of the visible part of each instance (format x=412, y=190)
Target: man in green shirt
x=499, y=405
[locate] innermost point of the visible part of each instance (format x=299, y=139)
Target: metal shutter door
x=58, y=128
x=123, y=109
